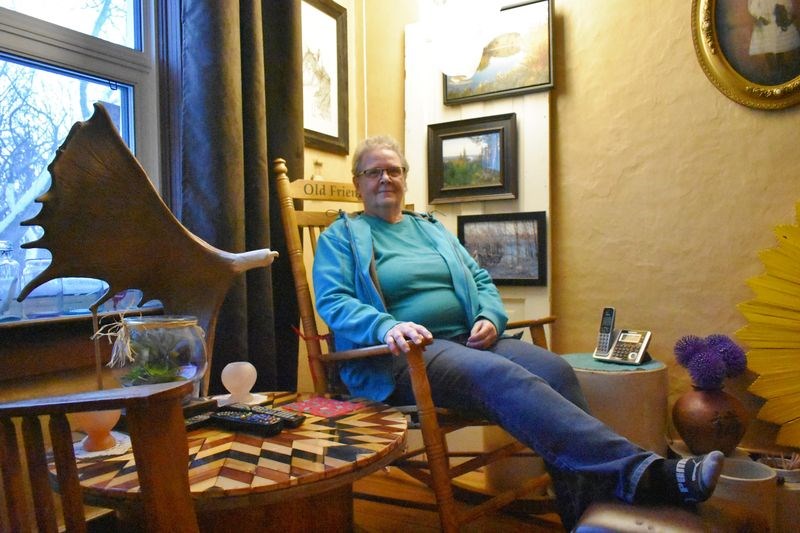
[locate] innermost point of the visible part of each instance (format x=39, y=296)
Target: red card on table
x=325, y=407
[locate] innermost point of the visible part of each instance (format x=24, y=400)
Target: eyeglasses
x=375, y=173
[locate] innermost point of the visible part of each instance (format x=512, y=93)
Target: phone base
x=633, y=358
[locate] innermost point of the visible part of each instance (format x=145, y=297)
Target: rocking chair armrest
x=360, y=353
x=535, y=327
x=526, y=323
x=356, y=353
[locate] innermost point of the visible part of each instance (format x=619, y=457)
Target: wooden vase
x=710, y=419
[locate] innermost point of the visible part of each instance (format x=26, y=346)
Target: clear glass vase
x=159, y=349
x=45, y=300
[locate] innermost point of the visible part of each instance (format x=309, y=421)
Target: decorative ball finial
x=238, y=378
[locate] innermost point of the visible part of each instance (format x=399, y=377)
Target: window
x=116, y=21
x=58, y=57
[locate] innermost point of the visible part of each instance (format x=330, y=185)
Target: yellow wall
x=664, y=190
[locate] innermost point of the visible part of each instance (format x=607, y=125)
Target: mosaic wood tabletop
x=226, y=463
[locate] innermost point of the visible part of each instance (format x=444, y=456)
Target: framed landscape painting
x=473, y=159
x=512, y=247
x=517, y=60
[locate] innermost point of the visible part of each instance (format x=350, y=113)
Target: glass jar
x=81, y=293
x=10, y=308
x=158, y=349
x=45, y=300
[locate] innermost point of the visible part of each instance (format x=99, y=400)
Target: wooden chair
x=102, y=218
x=160, y=450
x=437, y=470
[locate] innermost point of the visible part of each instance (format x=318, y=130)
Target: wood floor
x=372, y=517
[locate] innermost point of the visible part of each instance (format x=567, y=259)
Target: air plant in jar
x=158, y=349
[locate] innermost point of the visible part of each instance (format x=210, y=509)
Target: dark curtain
x=236, y=105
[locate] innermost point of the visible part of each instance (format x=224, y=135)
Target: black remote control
x=258, y=423
x=196, y=421
x=290, y=420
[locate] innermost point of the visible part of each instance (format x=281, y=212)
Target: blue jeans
x=535, y=396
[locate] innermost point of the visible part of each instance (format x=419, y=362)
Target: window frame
x=37, y=40
x=29, y=38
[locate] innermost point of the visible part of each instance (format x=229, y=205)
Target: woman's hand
x=483, y=335
x=399, y=337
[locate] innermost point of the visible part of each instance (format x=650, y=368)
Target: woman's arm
x=346, y=298
x=490, y=305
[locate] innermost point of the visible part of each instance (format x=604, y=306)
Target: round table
x=297, y=480
x=630, y=399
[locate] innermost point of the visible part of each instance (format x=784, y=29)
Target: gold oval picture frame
x=750, y=50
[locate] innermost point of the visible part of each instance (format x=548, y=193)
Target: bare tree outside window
x=40, y=102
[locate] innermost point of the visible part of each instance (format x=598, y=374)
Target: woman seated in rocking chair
x=391, y=276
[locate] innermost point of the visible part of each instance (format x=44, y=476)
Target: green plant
x=156, y=349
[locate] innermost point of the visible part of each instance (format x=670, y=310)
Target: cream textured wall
x=663, y=189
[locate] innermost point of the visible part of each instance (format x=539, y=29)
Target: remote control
x=196, y=421
x=290, y=420
x=258, y=423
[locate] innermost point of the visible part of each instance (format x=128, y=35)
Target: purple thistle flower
x=718, y=340
x=733, y=356
x=687, y=348
x=707, y=370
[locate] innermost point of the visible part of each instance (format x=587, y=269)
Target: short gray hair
x=378, y=142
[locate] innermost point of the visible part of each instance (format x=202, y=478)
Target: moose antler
x=102, y=218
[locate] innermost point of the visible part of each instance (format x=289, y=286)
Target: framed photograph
x=473, y=159
x=750, y=50
x=517, y=60
x=324, y=37
x=512, y=247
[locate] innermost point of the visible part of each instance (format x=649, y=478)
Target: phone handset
x=605, y=335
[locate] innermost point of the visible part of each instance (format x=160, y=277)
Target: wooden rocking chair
x=436, y=471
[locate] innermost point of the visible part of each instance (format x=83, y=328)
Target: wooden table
x=295, y=481
x=630, y=399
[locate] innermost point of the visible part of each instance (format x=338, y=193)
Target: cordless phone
x=630, y=347
x=626, y=346
x=606, y=329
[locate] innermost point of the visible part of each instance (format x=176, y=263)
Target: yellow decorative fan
x=773, y=333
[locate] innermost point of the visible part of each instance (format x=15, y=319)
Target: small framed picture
x=473, y=159
x=324, y=37
x=512, y=247
x=517, y=60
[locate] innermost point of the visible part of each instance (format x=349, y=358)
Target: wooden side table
x=631, y=400
x=298, y=480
